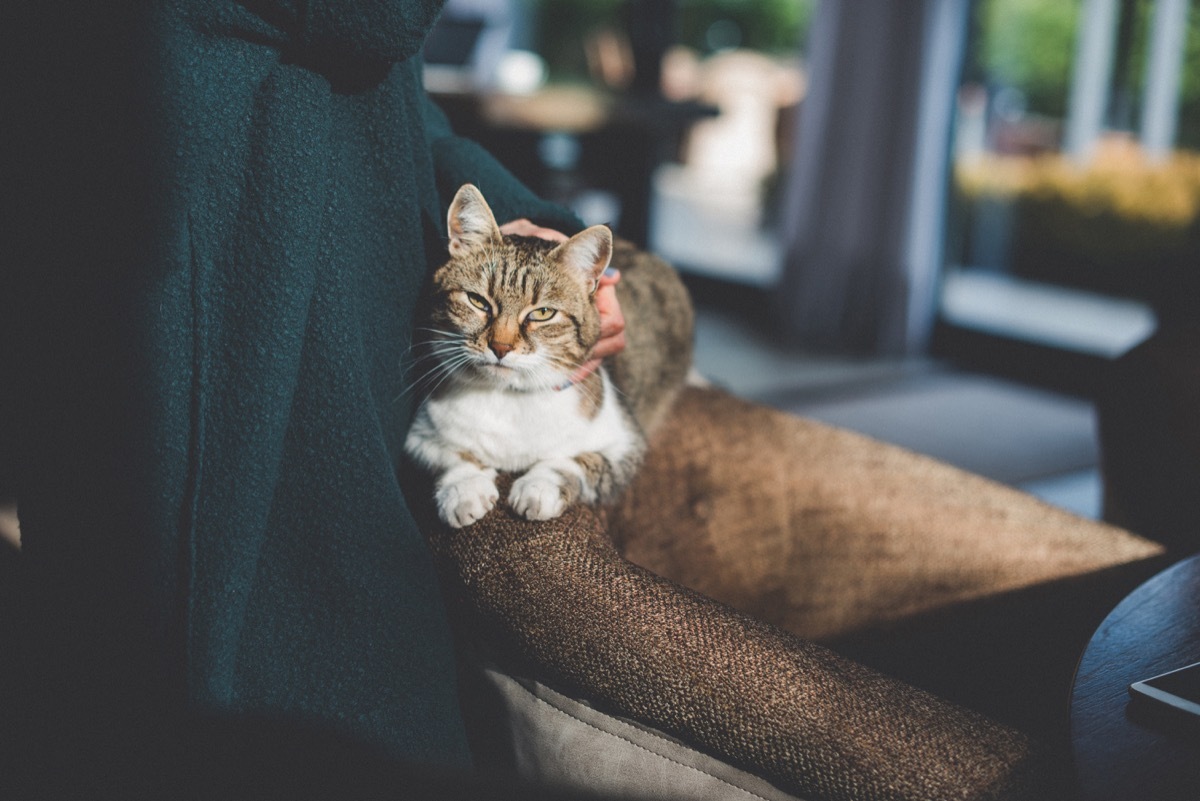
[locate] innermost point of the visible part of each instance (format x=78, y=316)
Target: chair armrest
x=558, y=599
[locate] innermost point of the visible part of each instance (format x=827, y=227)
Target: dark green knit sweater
x=231, y=211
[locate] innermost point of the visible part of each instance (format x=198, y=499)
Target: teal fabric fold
x=250, y=358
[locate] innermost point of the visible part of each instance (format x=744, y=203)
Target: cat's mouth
x=510, y=376
x=499, y=373
x=498, y=368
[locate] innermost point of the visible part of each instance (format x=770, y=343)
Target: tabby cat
x=510, y=319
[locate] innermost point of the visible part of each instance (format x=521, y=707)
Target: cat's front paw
x=461, y=503
x=537, y=496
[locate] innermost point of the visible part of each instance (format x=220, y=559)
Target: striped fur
x=510, y=319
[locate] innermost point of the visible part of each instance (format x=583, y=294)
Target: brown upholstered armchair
x=669, y=648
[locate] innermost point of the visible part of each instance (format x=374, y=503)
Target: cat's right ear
x=470, y=222
x=587, y=253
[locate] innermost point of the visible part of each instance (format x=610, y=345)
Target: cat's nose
x=501, y=349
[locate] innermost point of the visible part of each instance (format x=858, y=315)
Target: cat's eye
x=541, y=315
x=479, y=302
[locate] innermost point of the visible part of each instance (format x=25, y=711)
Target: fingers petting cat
x=612, y=326
x=524, y=227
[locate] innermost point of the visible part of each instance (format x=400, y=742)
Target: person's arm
x=458, y=161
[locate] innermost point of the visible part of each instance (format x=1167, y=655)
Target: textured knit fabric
x=232, y=209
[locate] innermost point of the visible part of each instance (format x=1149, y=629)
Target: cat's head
x=514, y=311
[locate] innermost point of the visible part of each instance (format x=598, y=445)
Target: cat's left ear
x=588, y=252
x=470, y=222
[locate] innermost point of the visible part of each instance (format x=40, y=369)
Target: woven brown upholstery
x=807, y=527
x=825, y=532
x=820, y=726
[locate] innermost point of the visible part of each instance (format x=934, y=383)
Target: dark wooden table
x=1121, y=752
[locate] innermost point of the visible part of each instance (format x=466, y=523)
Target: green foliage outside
x=1030, y=45
x=1189, y=111
x=773, y=26
x=1121, y=224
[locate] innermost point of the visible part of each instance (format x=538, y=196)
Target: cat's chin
x=514, y=379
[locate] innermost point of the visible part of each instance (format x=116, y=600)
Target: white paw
x=537, y=497
x=461, y=503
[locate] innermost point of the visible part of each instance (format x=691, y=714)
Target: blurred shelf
x=1053, y=316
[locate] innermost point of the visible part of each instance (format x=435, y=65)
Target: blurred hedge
x=1122, y=224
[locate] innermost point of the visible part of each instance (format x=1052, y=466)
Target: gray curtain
x=865, y=198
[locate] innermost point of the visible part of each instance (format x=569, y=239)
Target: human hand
x=612, y=326
x=524, y=227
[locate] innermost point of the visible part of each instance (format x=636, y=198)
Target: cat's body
x=562, y=453
x=511, y=319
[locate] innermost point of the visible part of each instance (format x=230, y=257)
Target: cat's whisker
x=441, y=332
x=441, y=344
x=565, y=365
x=439, y=373
x=434, y=388
x=570, y=367
x=620, y=392
x=438, y=344
x=541, y=381
x=422, y=353
x=427, y=351
x=592, y=395
x=449, y=365
x=439, y=352
x=413, y=387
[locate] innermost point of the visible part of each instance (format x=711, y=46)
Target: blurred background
x=937, y=222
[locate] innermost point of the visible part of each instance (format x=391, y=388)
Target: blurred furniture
x=561, y=141
x=1122, y=752
x=1150, y=437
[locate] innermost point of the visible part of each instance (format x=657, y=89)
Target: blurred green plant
x=771, y=26
x=1189, y=111
x=1030, y=45
x=561, y=28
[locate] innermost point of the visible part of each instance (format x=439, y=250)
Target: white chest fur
x=512, y=431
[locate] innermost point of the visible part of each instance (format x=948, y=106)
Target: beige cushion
x=564, y=743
